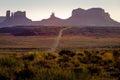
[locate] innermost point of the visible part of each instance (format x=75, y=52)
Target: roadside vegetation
x=64, y=65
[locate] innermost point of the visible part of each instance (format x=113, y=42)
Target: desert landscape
x=82, y=45
x=42, y=38
x=59, y=53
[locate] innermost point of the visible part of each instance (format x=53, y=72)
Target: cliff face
x=93, y=16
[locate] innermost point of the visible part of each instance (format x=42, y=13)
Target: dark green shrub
x=84, y=60
x=54, y=74
x=30, y=57
x=94, y=70
x=95, y=59
x=66, y=52
x=8, y=62
x=116, y=53
x=25, y=74
x=3, y=77
x=50, y=56
x=64, y=58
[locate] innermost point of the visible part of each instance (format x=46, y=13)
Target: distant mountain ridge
x=89, y=17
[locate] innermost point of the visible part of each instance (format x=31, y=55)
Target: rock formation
x=89, y=17
x=17, y=18
x=93, y=17
x=52, y=21
x=2, y=18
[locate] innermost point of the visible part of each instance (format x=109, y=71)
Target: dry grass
x=25, y=42
x=67, y=42
x=78, y=42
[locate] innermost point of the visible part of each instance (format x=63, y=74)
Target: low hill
x=54, y=31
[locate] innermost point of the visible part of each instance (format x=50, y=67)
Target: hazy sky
x=41, y=9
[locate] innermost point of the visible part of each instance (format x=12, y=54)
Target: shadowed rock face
x=90, y=17
x=2, y=18
x=93, y=16
x=52, y=21
x=17, y=18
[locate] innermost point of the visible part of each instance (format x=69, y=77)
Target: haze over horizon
x=42, y=9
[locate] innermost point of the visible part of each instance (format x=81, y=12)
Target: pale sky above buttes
x=42, y=9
